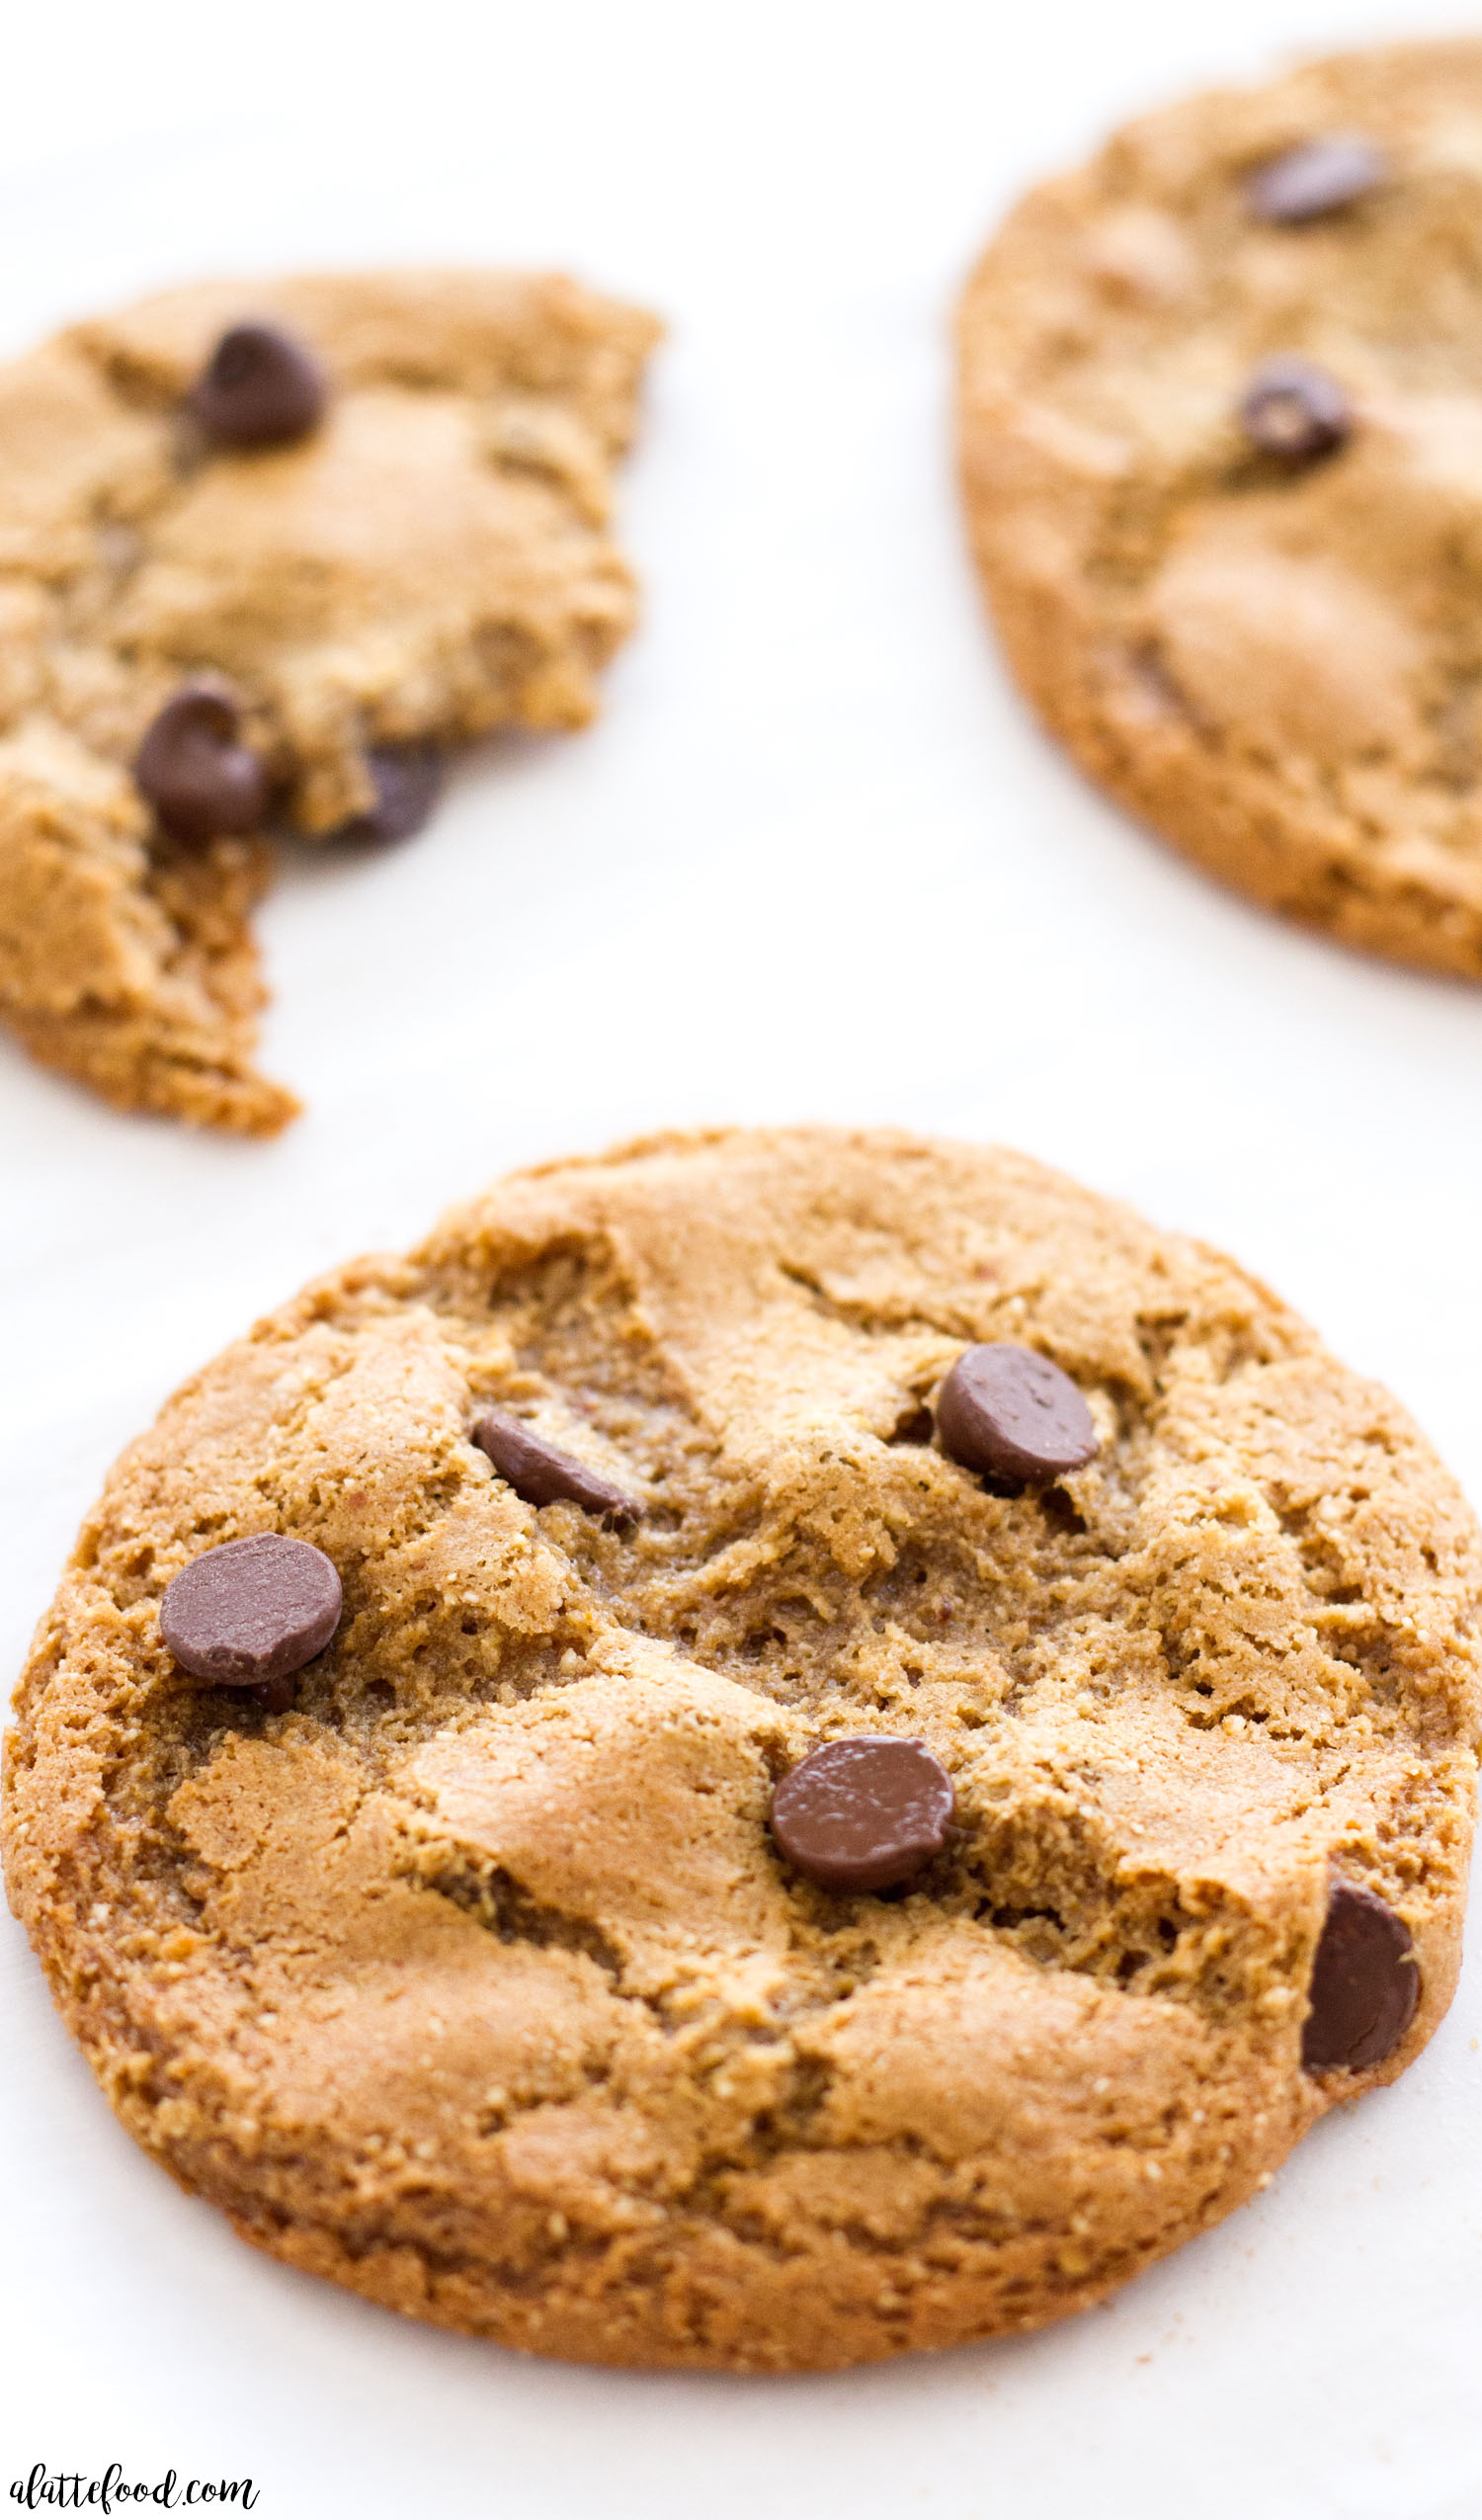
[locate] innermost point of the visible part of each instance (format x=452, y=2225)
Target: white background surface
x=814, y=861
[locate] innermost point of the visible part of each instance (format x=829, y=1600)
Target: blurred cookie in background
x=270, y=552
x=1220, y=423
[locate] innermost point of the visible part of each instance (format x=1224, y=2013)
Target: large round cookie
x=386, y=537
x=475, y=1978
x=1268, y=644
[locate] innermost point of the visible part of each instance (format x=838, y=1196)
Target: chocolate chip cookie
x=267, y=551
x=777, y=1748
x=1221, y=443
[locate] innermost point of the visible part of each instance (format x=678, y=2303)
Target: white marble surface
x=813, y=862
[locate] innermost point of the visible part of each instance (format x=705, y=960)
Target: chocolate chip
x=1296, y=411
x=1366, y=1984
x=914, y=1426
x=1316, y=177
x=251, y=1611
x=195, y=770
x=260, y=388
x=542, y=1472
x=864, y=1813
x=1008, y=1412
x=408, y=782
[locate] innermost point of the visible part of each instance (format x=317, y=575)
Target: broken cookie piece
x=268, y=552
x=125, y=958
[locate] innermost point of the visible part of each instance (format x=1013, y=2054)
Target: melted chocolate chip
x=260, y=388
x=542, y=1473
x=408, y=782
x=1008, y=1412
x=1296, y=411
x=1315, y=179
x=864, y=1813
x=1366, y=1984
x=251, y=1611
x=191, y=766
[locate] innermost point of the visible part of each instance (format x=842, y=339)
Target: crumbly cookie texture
x=476, y=1982
x=1279, y=666
x=430, y=563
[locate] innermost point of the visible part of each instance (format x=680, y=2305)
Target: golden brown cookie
x=1124, y=1780
x=1221, y=442
x=266, y=550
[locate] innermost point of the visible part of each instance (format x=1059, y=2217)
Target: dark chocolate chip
x=1366, y=1984
x=251, y=1611
x=408, y=782
x=1008, y=1412
x=260, y=388
x=542, y=1473
x=195, y=770
x=1316, y=177
x=864, y=1813
x=1296, y=411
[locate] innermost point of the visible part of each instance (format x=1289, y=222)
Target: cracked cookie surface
x=1276, y=663
x=429, y=563
x=475, y=1981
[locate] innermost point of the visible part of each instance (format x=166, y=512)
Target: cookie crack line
x=972, y=1893
x=1217, y=394
x=270, y=553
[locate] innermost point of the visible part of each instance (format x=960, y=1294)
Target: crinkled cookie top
x=475, y=1978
